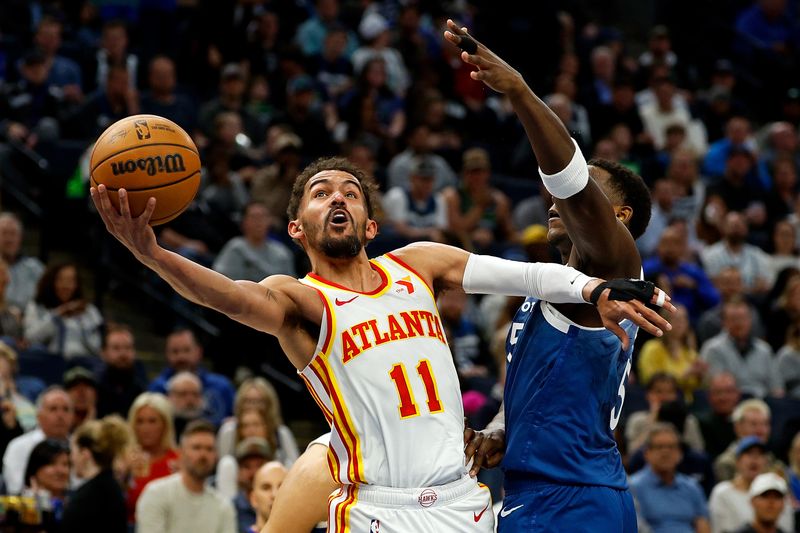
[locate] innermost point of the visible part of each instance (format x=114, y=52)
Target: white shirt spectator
x=730, y=509
x=397, y=205
x=15, y=460
x=25, y=274
x=239, y=259
x=71, y=336
x=752, y=262
x=756, y=370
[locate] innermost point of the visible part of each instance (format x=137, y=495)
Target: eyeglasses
x=659, y=447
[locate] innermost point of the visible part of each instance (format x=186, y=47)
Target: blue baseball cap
x=748, y=443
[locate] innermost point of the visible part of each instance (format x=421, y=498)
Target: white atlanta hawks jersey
x=384, y=377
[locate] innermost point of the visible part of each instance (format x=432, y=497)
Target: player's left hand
x=486, y=448
x=492, y=70
x=614, y=311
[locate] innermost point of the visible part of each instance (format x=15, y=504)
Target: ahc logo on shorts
x=427, y=498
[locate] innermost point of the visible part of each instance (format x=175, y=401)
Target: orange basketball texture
x=148, y=156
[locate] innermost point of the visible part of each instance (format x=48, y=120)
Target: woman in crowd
x=98, y=505
x=47, y=475
x=10, y=316
x=676, y=354
x=60, y=318
x=258, y=414
x=785, y=313
x=154, y=454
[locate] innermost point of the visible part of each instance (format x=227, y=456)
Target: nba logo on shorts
x=142, y=129
x=375, y=526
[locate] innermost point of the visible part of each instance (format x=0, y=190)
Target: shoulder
x=762, y=346
x=720, y=490
x=639, y=480
x=162, y=486
x=687, y=482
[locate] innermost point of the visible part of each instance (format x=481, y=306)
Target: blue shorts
x=545, y=507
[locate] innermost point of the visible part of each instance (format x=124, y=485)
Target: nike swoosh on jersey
x=505, y=512
x=342, y=302
x=477, y=516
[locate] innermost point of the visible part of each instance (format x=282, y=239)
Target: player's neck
x=354, y=273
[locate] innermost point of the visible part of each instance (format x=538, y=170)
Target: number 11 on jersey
x=408, y=407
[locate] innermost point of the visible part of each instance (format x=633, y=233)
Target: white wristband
x=570, y=180
x=547, y=281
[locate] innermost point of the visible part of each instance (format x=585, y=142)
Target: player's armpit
x=267, y=305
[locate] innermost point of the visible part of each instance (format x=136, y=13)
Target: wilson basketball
x=147, y=155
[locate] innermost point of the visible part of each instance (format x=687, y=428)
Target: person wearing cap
x=308, y=115
x=377, y=38
x=272, y=184
x=232, y=92
x=234, y=477
x=81, y=385
x=477, y=212
x=729, y=503
x=30, y=106
x=768, y=497
x=266, y=483
x=417, y=212
x=667, y=500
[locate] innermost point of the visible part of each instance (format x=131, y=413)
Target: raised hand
x=135, y=233
x=492, y=70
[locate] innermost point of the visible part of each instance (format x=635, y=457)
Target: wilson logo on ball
x=151, y=165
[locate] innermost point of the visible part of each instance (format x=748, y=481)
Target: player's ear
x=372, y=229
x=624, y=213
x=295, y=229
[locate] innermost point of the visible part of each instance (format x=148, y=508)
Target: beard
x=344, y=247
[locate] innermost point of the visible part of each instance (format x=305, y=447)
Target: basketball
x=147, y=155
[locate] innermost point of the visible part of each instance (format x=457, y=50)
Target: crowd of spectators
x=707, y=114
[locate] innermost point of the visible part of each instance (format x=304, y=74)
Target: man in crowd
x=185, y=393
x=54, y=416
x=267, y=481
x=81, y=385
x=750, y=418
x=183, y=352
x=767, y=495
x=183, y=502
x=251, y=454
x=118, y=381
x=716, y=424
x=25, y=271
x=668, y=500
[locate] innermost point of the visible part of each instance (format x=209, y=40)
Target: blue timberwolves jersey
x=564, y=391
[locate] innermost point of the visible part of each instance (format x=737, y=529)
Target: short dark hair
x=368, y=185
x=660, y=377
x=44, y=454
x=657, y=429
x=632, y=191
x=198, y=426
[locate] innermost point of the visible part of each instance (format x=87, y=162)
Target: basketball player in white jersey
x=367, y=339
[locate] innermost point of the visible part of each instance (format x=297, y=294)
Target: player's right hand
x=485, y=448
x=492, y=70
x=135, y=233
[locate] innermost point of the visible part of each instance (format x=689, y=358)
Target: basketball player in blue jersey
x=566, y=374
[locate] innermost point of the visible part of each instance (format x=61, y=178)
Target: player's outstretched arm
x=445, y=267
x=586, y=211
x=250, y=303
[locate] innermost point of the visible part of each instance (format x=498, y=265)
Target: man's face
x=84, y=396
x=119, y=351
x=768, y=507
x=198, y=455
x=266, y=483
x=183, y=352
x=186, y=396
x=55, y=415
x=255, y=222
x=162, y=76
x=723, y=394
x=421, y=186
x=737, y=321
x=333, y=215
x=115, y=41
x=35, y=74
x=48, y=38
x=664, y=453
x=247, y=470
x=662, y=391
x=753, y=422
x=729, y=283
x=751, y=463
x=671, y=247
